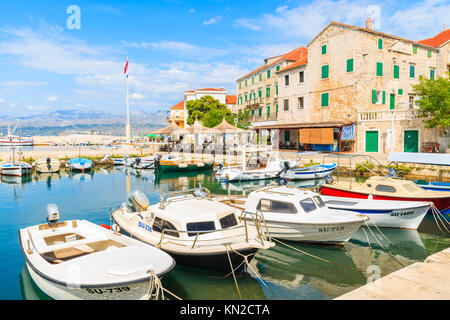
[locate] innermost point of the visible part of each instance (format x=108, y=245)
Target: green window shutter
x=268, y=110
x=253, y=80
x=276, y=108
x=240, y=85
x=260, y=93
x=260, y=77
x=349, y=65
x=287, y=135
x=396, y=72
x=432, y=74
x=253, y=112
x=374, y=96
x=324, y=49
x=429, y=53
x=384, y=97
x=268, y=74
x=278, y=68
x=411, y=71
x=260, y=112
x=324, y=99
x=276, y=89
x=414, y=50
x=325, y=71
x=379, y=69
x=392, y=101
x=268, y=92
x=400, y=92
x=245, y=83
x=380, y=43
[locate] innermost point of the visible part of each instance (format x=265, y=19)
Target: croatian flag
x=126, y=69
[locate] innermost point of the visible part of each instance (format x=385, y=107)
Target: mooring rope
x=440, y=216
x=234, y=276
x=156, y=289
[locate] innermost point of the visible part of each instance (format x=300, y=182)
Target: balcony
x=388, y=115
x=264, y=117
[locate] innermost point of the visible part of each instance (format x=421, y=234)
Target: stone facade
x=359, y=76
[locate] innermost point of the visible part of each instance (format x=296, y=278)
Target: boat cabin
x=284, y=200
x=387, y=185
x=184, y=217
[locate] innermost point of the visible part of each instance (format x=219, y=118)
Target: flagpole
x=128, y=126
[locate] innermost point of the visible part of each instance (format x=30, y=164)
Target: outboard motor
x=286, y=165
x=137, y=162
x=138, y=201
x=328, y=179
x=282, y=182
x=49, y=166
x=52, y=214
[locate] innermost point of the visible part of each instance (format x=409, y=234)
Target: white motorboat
x=15, y=168
x=11, y=140
x=262, y=168
x=308, y=173
x=144, y=163
x=192, y=228
x=47, y=165
x=298, y=215
x=80, y=260
x=383, y=213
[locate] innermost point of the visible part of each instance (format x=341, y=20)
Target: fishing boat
x=257, y=168
x=308, y=173
x=383, y=213
x=11, y=140
x=80, y=260
x=192, y=228
x=47, y=165
x=177, y=164
x=434, y=186
x=144, y=163
x=80, y=164
x=297, y=215
x=386, y=188
x=15, y=168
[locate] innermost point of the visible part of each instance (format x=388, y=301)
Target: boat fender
x=115, y=228
x=200, y=165
x=182, y=165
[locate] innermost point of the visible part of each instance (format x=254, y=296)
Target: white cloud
x=52, y=99
x=1, y=100
x=177, y=47
x=212, y=20
x=192, y=11
x=137, y=96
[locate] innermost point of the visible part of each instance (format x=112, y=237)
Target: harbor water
x=295, y=271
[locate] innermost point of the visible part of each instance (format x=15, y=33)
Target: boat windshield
x=308, y=205
x=318, y=200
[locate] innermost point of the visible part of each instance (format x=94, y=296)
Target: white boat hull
x=60, y=291
x=385, y=213
x=313, y=232
x=305, y=174
x=15, y=171
x=250, y=175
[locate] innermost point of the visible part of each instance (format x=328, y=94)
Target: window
x=414, y=48
x=324, y=49
x=253, y=112
x=276, y=89
x=287, y=135
x=246, y=83
x=268, y=74
x=159, y=225
x=260, y=77
x=268, y=92
x=429, y=53
x=377, y=96
x=412, y=70
x=324, y=99
x=240, y=85
x=432, y=74
x=253, y=80
x=200, y=226
x=301, y=76
x=308, y=205
x=286, y=104
x=276, y=206
x=380, y=43
x=228, y=221
x=325, y=71
x=411, y=102
x=260, y=93
x=260, y=112
x=301, y=103
x=268, y=110
x=278, y=68
x=384, y=188
x=276, y=108
x=396, y=72
x=286, y=80
x=400, y=92
x=379, y=69
x=318, y=200
x=349, y=65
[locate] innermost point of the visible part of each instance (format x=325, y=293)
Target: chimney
x=369, y=23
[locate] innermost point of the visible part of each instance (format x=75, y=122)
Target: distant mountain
x=60, y=121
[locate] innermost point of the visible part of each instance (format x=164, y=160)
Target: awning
x=297, y=125
x=316, y=136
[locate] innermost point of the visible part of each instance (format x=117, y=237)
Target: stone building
x=352, y=91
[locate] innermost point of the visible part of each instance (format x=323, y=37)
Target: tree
x=207, y=110
x=434, y=101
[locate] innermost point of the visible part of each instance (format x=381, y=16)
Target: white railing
x=388, y=115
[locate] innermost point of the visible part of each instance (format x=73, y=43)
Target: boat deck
x=420, y=281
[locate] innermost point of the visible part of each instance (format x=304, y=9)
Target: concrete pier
x=428, y=280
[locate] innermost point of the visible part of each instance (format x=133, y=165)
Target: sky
x=53, y=59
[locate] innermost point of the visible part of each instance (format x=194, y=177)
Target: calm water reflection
x=281, y=273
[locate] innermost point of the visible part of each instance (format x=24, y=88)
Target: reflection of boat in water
x=80, y=176
x=29, y=289
x=197, y=284
x=16, y=180
x=405, y=243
